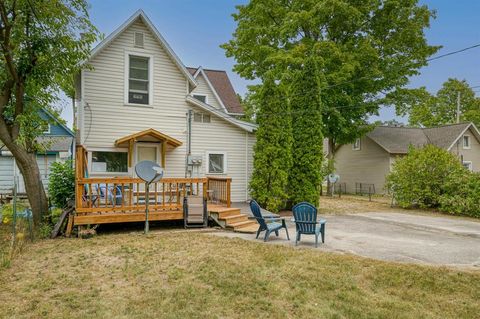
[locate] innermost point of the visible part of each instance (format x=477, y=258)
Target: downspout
x=189, y=140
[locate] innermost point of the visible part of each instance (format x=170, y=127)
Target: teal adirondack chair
x=305, y=215
x=267, y=224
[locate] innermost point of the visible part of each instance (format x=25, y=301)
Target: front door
x=148, y=152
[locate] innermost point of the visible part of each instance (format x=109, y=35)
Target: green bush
x=462, y=195
x=61, y=184
x=425, y=177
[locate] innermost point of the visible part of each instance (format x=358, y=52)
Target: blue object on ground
x=305, y=215
x=267, y=224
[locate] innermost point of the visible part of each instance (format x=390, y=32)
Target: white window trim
x=469, y=142
x=200, y=94
x=92, y=173
x=225, y=161
x=470, y=164
x=147, y=144
x=359, y=145
x=48, y=130
x=150, y=77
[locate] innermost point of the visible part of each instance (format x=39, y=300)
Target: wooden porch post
x=229, y=181
x=164, y=153
x=130, y=152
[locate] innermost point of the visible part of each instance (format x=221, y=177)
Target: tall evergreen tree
x=273, y=158
x=305, y=176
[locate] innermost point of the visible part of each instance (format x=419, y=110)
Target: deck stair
x=232, y=218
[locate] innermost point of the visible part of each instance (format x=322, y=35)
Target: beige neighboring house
x=140, y=102
x=369, y=159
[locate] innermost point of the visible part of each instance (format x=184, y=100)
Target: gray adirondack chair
x=267, y=224
x=305, y=215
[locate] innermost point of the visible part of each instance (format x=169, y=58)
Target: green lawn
x=191, y=274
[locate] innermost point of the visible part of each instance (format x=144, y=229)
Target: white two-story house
x=139, y=102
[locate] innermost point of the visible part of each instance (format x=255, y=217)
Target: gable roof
x=140, y=15
x=396, y=140
x=249, y=127
x=221, y=86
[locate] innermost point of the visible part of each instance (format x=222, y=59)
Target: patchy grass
x=191, y=274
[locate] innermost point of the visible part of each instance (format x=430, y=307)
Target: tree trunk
x=27, y=163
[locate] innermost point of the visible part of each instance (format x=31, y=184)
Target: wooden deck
x=103, y=200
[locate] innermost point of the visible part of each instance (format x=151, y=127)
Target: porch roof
x=147, y=136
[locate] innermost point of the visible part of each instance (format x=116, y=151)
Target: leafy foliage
x=307, y=153
x=272, y=159
x=61, y=183
x=425, y=109
x=433, y=177
x=365, y=47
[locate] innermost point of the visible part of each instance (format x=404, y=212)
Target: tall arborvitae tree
x=273, y=158
x=305, y=177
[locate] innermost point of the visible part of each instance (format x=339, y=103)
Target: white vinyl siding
x=107, y=118
x=203, y=89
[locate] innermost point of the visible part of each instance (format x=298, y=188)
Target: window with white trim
x=356, y=145
x=468, y=165
x=217, y=163
x=109, y=162
x=201, y=97
x=46, y=128
x=139, y=85
x=201, y=117
x=466, y=141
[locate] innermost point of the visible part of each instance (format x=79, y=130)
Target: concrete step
x=234, y=218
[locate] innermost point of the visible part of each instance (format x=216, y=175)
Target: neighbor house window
x=201, y=97
x=356, y=145
x=468, y=165
x=109, y=162
x=466, y=141
x=201, y=117
x=139, y=81
x=217, y=163
x=46, y=128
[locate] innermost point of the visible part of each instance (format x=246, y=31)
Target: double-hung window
x=139, y=79
x=356, y=145
x=466, y=141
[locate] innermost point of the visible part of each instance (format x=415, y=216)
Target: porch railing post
x=228, y=192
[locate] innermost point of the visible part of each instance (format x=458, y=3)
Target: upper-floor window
x=201, y=97
x=201, y=117
x=138, y=39
x=139, y=82
x=356, y=145
x=46, y=128
x=466, y=141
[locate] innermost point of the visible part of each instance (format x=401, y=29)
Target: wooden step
x=234, y=218
x=223, y=212
x=242, y=224
x=249, y=229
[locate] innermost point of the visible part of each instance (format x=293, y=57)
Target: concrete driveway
x=438, y=240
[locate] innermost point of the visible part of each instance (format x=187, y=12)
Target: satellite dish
x=333, y=178
x=149, y=171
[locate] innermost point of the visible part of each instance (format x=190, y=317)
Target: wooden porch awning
x=149, y=135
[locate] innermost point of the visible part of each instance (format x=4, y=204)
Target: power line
x=454, y=52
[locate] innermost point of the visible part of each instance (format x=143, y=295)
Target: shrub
x=425, y=177
x=61, y=184
x=7, y=211
x=462, y=196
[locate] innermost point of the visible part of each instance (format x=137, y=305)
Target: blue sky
x=196, y=28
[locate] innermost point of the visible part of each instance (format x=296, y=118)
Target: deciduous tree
x=42, y=43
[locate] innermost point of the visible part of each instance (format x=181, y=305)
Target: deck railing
x=219, y=189
x=127, y=194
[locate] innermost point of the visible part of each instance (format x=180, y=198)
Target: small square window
x=201, y=117
x=206, y=118
x=466, y=141
x=216, y=163
x=197, y=117
x=356, y=145
x=45, y=128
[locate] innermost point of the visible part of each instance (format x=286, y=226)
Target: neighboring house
x=139, y=102
x=369, y=159
x=58, y=142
